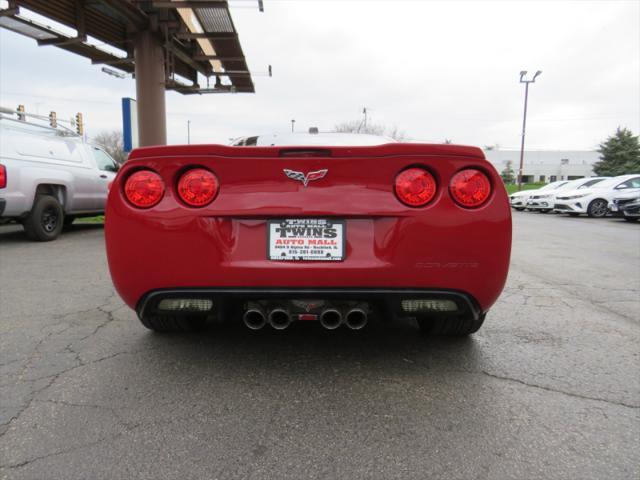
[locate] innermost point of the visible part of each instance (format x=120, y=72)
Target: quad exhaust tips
x=280, y=319
x=356, y=319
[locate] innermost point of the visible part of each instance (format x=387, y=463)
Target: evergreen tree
x=508, y=175
x=619, y=154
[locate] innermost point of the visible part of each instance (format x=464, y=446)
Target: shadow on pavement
x=15, y=233
x=305, y=348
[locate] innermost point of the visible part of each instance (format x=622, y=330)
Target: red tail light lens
x=3, y=176
x=198, y=187
x=470, y=188
x=144, y=188
x=415, y=187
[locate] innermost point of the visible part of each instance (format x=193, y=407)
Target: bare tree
x=357, y=126
x=113, y=143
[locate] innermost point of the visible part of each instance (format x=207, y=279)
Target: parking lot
x=549, y=388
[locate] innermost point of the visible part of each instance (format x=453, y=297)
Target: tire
x=520, y=209
x=450, y=326
x=173, y=323
x=545, y=210
x=597, y=208
x=46, y=219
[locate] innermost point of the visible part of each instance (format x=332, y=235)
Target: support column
x=150, y=76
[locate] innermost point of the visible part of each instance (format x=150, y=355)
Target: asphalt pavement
x=548, y=389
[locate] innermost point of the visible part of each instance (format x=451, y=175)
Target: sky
x=436, y=70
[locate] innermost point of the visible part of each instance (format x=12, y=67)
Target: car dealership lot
x=549, y=387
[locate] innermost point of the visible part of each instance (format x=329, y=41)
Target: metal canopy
x=197, y=36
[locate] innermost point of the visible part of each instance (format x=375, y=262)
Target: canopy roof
x=198, y=36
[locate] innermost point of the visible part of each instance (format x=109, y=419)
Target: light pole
x=188, y=132
x=293, y=125
x=524, y=120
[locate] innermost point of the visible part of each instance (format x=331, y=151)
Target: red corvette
x=334, y=234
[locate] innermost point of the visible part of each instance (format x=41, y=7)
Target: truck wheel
x=45, y=220
x=597, y=208
x=173, y=323
x=450, y=326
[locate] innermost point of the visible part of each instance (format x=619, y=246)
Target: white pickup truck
x=49, y=176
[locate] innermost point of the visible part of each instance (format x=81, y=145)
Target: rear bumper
x=388, y=245
x=388, y=301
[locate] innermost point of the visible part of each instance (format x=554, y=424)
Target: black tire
x=450, y=326
x=46, y=219
x=174, y=323
x=545, y=210
x=598, y=208
x=520, y=209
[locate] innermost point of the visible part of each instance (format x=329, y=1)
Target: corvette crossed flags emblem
x=305, y=179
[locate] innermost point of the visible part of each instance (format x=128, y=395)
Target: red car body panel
x=388, y=244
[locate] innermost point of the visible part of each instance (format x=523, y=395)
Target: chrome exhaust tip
x=331, y=319
x=279, y=318
x=254, y=319
x=356, y=319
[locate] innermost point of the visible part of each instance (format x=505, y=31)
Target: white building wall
x=546, y=166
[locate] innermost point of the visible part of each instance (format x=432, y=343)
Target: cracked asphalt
x=549, y=388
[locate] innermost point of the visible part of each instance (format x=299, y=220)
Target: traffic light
x=21, y=115
x=53, y=119
x=79, y=124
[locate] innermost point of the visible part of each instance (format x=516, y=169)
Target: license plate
x=299, y=239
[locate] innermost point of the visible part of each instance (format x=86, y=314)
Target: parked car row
x=593, y=196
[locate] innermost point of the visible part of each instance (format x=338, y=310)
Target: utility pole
x=364, y=112
x=524, y=120
x=293, y=126
x=188, y=132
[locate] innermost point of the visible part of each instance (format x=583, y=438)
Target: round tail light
x=198, y=187
x=144, y=188
x=415, y=187
x=470, y=188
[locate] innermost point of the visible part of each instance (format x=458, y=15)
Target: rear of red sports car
x=336, y=235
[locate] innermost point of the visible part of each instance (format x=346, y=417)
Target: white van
x=49, y=176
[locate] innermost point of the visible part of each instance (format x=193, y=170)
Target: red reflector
x=415, y=186
x=144, y=188
x=198, y=187
x=3, y=176
x=470, y=187
x=307, y=316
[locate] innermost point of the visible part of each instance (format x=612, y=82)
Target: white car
x=543, y=201
x=519, y=200
x=594, y=200
x=626, y=205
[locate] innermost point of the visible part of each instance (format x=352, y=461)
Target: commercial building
x=546, y=166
